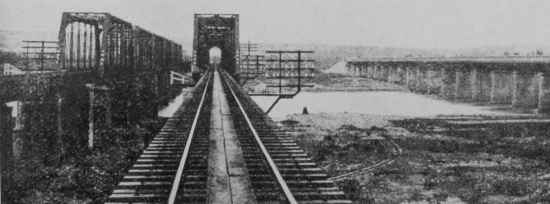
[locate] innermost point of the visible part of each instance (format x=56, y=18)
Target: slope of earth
x=489, y=167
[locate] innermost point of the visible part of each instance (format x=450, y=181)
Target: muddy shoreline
x=488, y=167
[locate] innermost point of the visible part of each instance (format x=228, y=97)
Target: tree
x=9, y=57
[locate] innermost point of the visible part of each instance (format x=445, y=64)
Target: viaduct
x=522, y=81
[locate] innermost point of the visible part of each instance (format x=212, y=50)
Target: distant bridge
x=521, y=81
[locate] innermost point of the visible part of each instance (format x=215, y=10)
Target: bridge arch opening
x=215, y=54
x=216, y=30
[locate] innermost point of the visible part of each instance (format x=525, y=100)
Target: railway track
x=174, y=168
x=152, y=177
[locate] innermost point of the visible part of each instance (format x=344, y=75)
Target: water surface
x=375, y=103
x=174, y=104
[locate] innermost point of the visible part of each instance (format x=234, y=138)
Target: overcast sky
x=383, y=23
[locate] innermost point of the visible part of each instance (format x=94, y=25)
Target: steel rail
x=175, y=186
x=280, y=179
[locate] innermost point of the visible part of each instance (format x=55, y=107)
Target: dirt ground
x=434, y=168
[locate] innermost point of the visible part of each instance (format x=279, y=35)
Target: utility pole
x=247, y=48
x=257, y=65
x=40, y=50
x=298, y=60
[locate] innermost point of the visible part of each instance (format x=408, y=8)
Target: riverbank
x=352, y=84
x=433, y=168
x=83, y=177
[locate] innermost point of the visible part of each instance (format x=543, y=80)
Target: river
x=375, y=103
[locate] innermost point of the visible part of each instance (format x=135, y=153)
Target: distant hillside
x=338, y=68
x=328, y=55
x=325, y=55
x=13, y=40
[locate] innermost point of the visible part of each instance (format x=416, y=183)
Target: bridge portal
x=216, y=30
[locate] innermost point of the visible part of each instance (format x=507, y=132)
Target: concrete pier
x=401, y=75
x=433, y=80
x=6, y=141
x=501, y=87
x=462, y=84
x=481, y=85
x=59, y=141
x=374, y=72
x=544, y=93
x=370, y=71
x=378, y=72
x=363, y=71
x=519, y=81
x=421, y=80
x=392, y=74
x=384, y=72
x=525, y=89
x=410, y=80
x=99, y=97
x=447, y=83
x=19, y=137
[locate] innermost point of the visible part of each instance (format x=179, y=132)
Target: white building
x=8, y=69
